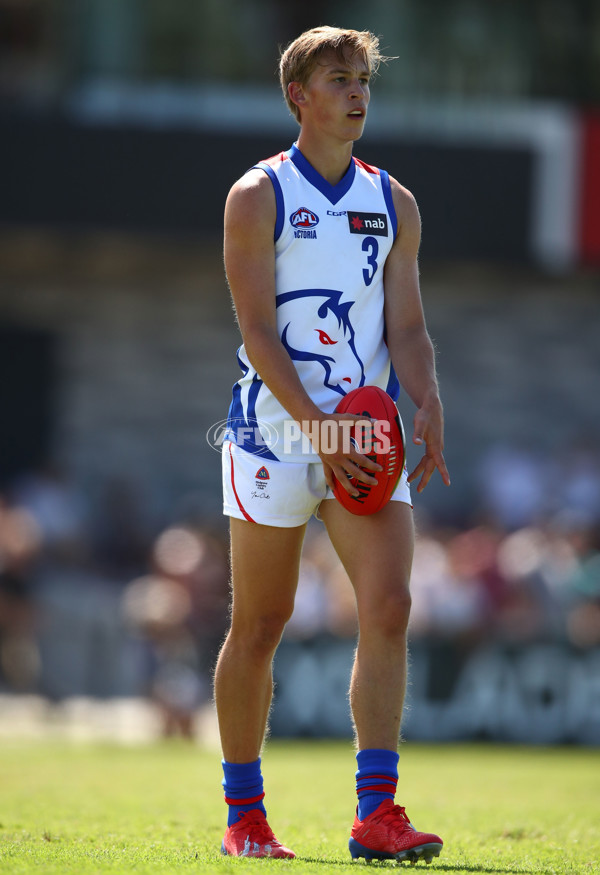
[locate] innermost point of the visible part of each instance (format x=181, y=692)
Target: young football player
x=321, y=259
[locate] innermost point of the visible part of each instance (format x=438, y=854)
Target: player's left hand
x=429, y=430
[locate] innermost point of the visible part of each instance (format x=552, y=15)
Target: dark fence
x=544, y=693
x=476, y=199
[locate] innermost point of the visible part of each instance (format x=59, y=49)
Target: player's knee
x=396, y=611
x=263, y=633
x=389, y=614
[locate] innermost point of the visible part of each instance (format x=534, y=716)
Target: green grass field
x=159, y=808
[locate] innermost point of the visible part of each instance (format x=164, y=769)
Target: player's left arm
x=409, y=343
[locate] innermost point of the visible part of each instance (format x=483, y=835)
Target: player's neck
x=331, y=160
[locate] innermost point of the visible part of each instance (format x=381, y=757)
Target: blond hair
x=301, y=56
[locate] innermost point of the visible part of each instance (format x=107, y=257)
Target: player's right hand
x=341, y=458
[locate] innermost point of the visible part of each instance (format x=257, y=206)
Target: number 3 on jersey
x=371, y=247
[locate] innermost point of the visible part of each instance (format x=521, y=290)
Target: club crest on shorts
x=262, y=477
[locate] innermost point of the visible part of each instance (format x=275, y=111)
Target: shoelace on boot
x=392, y=814
x=261, y=831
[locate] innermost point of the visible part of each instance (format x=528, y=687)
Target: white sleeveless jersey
x=331, y=243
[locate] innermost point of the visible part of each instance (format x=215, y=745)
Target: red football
x=385, y=446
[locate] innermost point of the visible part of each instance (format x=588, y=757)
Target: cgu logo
x=304, y=218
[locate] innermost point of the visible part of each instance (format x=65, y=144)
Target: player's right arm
x=250, y=215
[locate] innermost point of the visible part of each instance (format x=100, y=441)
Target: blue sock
x=243, y=785
x=376, y=778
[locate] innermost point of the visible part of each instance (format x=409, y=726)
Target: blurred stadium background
x=122, y=125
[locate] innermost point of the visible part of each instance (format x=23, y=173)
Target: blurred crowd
x=95, y=601
x=89, y=592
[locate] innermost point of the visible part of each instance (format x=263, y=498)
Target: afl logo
x=304, y=218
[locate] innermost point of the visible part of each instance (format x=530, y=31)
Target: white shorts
x=283, y=494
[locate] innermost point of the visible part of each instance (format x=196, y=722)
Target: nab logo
x=304, y=218
x=368, y=223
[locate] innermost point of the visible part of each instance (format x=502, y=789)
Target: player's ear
x=296, y=93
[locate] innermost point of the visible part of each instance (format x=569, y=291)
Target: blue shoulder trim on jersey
x=278, y=197
x=333, y=193
x=393, y=386
x=389, y=200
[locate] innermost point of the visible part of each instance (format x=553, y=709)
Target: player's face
x=337, y=96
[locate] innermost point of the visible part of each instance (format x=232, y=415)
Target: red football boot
x=388, y=834
x=252, y=836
